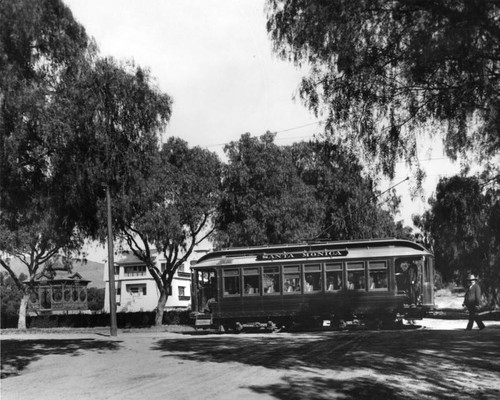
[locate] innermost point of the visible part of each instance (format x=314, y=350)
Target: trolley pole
x=111, y=268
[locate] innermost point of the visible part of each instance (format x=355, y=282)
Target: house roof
x=127, y=258
x=58, y=275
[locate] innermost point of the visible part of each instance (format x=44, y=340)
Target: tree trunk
x=161, y=307
x=21, y=323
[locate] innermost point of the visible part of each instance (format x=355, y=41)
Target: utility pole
x=111, y=268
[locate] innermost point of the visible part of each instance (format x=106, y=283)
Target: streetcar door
x=408, y=273
x=206, y=289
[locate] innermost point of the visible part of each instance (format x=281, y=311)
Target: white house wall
x=127, y=301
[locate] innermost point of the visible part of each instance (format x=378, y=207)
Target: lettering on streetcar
x=284, y=255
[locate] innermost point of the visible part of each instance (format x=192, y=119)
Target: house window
x=75, y=294
x=136, y=290
x=57, y=294
x=136, y=270
x=163, y=267
x=182, y=291
x=46, y=297
x=181, y=268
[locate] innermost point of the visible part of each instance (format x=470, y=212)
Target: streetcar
x=325, y=284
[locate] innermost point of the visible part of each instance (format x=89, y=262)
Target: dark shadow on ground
x=438, y=363
x=16, y=355
x=320, y=388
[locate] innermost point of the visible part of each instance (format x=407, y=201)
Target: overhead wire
x=276, y=132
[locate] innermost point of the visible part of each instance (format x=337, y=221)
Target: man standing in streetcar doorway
x=472, y=300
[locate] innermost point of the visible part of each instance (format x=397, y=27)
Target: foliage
x=463, y=227
x=95, y=298
x=265, y=201
x=307, y=191
x=351, y=206
x=10, y=295
x=113, y=115
x=170, y=211
x=381, y=71
x=72, y=124
x=41, y=47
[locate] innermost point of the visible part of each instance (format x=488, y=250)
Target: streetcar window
x=232, y=282
x=377, y=275
x=312, y=278
x=333, y=277
x=251, y=281
x=291, y=279
x=356, y=276
x=271, y=280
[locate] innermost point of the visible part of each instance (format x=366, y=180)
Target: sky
x=214, y=58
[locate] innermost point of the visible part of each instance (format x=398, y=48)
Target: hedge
x=123, y=320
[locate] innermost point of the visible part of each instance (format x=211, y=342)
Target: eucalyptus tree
x=264, y=199
x=463, y=226
x=351, y=205
x=72, y=125
x=307, y=191
x=383, y=72
x=170, y=212
x=41, y=46
x=114, y=117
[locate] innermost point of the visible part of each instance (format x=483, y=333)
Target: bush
x=95, y=299
x=181, y=317
x=10, y=300
x=125, y=320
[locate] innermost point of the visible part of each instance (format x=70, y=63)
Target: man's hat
x=472, y=277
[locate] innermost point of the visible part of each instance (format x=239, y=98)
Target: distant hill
x=89, y=270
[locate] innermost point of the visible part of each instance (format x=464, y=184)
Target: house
x=136, y=289
x=58, y=291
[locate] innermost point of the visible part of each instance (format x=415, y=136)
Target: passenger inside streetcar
x=308, y=284
x=372, y=283
x=350, y=282
x=361, y=283
x=334, y=281
x=209, y=306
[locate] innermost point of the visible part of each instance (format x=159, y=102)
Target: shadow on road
x=433, y=363
x=16, y=355
x=321, y=388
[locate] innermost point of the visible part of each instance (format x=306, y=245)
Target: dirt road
x=438, y=361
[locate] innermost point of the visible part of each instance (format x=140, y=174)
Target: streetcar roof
x=321, y=252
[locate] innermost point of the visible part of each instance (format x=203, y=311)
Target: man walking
x=472, y=300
